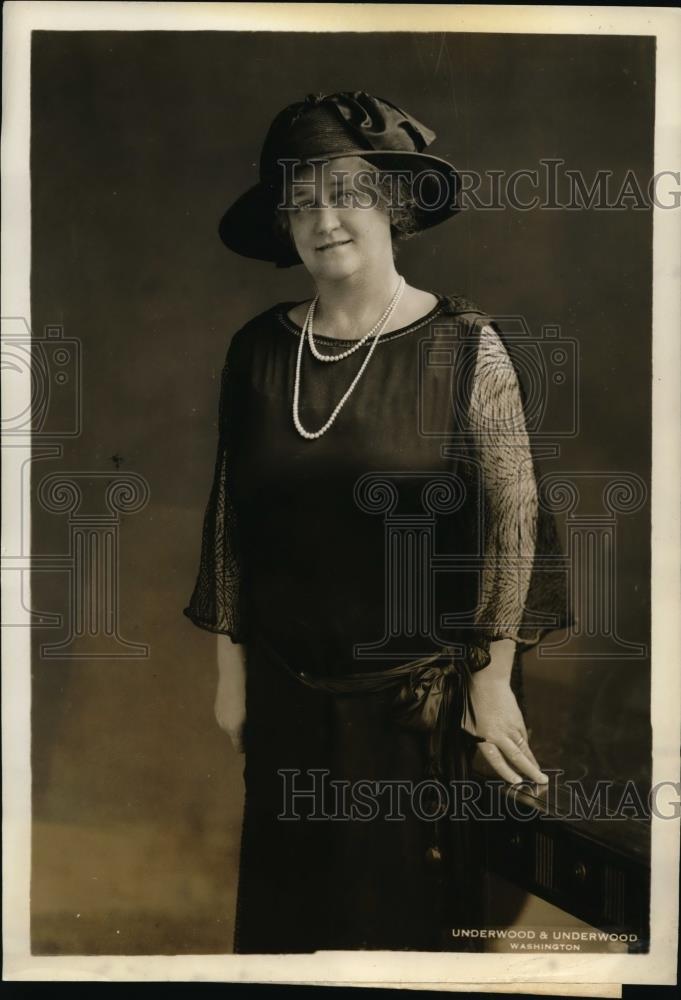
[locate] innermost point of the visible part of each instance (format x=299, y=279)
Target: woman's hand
x=230, y=697
x=499, y=721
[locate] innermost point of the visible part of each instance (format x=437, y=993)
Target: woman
x=357, y=478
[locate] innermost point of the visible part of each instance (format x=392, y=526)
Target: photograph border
x=428, y=970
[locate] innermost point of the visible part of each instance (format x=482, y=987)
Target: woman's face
x=337, y=225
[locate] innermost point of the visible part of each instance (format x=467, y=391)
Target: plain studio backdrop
x=139, y=142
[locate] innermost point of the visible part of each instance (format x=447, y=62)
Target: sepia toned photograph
x=333, y=412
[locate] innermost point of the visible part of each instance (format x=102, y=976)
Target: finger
x=527, y=734
x=521, y=740
x=496, y=761
x=518, y=758
x=528, y=751
x=527, y=737
x=480, y=764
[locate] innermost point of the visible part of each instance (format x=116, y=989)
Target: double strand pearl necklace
x=355, y=347
x=375, y=331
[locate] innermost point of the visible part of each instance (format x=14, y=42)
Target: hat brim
x=247, y=227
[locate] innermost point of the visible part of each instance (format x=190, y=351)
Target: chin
x=336, y=272
x=335, y=269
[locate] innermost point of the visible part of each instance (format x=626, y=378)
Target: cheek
x=295, y=232
x=369, y=225
x=301, y=227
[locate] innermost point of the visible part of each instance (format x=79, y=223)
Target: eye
x=352, y=198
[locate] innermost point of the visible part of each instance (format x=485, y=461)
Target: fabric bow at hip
x=424, y=686
x=426, y=691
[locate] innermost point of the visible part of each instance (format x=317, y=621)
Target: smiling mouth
x=330, y=246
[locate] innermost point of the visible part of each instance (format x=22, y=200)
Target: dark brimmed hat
x=327, y=127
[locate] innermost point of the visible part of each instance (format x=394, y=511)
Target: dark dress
x=345, y=555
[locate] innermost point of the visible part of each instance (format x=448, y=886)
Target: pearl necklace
x=376, y=331
x=338, y=357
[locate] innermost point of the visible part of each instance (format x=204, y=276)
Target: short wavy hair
x=394, y=196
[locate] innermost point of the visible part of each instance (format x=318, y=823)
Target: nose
x=326, y=220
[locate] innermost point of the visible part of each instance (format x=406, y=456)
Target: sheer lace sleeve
x=216, y=603
x=514, y=529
